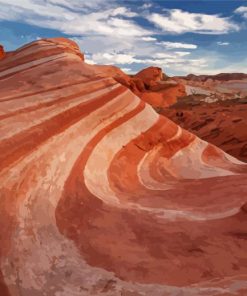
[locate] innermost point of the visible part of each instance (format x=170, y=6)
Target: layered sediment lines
x=100, y=195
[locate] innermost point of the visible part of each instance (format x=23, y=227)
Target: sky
x=181, y=37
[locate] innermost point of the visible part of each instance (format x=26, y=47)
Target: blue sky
x=200, y=36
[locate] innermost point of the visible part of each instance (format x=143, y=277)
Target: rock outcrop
x=160, y=90
x=151, y=76
x=150, y=84
x=100, y=195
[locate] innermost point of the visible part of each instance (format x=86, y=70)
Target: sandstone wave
x=100, y=195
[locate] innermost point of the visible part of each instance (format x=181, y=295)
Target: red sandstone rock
x=160, y=90
x=150, y=76
x=214, y=109
x=100, y=195
x=220, y=123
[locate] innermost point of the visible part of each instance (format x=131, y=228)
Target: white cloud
x=50, y=14
x=178, y=21
x=171, y=55
x=148, y=38
x=242, y=10
x=115, y=58
x=171, y=45
x=163, y=55
x=123, y=11
x=182, y=53
x=223, y=43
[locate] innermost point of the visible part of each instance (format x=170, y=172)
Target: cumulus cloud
x=123, y=11
x=242, y=10
x=148, y=38
x=182, y=53
x=172, y=45
x=171, y=55
x=114, y=58
x=178, y=21
x=55, y=15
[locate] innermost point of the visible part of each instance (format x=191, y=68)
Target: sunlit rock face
x=151, y=75
x=161, y=91
x=100, y=195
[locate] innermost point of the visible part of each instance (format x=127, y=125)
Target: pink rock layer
x=100, y=195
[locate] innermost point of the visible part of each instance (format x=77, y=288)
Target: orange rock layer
x=100, y=195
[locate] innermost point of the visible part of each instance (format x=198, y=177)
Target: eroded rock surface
x=100, y=195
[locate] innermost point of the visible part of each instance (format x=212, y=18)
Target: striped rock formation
x=102, y=196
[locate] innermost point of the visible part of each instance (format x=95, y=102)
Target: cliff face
x=100, y=195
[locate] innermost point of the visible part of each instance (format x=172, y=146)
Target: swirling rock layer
x=102, y=196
